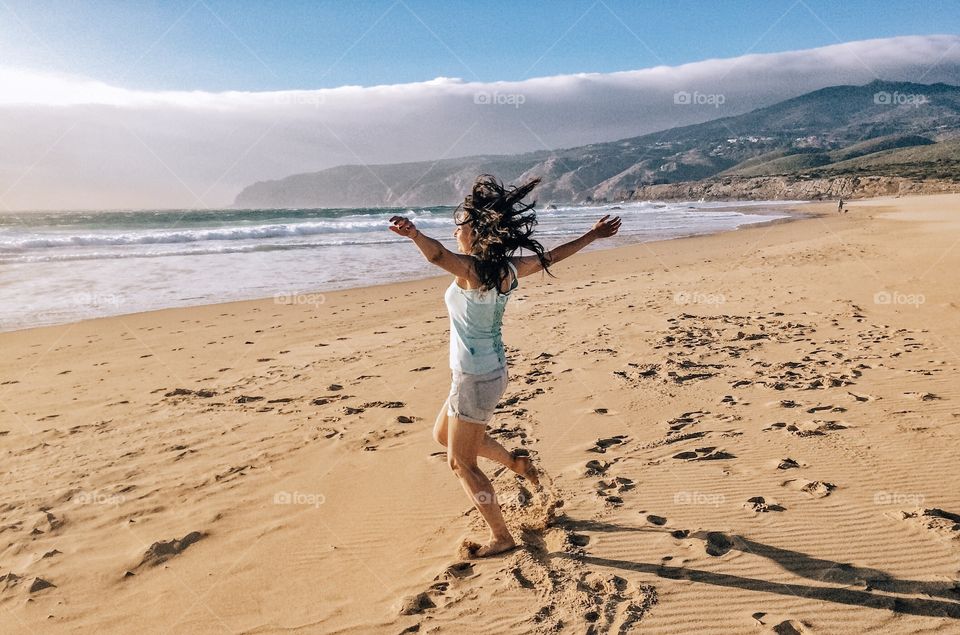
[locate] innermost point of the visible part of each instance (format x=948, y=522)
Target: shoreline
x=799, y=211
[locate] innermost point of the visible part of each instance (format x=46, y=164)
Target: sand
x=741, y=433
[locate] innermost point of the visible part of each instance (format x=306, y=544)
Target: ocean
x=58, y=267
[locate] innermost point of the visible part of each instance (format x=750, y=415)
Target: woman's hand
x=404, y=227
x=606, y=227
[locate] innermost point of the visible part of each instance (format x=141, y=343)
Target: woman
x=491, y=225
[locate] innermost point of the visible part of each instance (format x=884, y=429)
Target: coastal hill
x=879, y=138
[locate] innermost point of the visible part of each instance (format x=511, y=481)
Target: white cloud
x=70, y=142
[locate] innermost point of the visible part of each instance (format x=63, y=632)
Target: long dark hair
x=501, y=225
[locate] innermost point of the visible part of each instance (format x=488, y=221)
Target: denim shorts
x=473, y=397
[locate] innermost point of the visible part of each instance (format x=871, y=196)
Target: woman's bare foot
x=495, y=547
x=523, y=465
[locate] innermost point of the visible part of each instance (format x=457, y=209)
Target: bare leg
x=489, y=449
x=465, y=439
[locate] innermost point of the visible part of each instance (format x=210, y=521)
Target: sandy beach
x=747, y=432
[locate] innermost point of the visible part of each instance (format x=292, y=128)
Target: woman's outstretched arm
x=604, y=228
x=432, y=249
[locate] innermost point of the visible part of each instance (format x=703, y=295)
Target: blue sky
x=217, y=45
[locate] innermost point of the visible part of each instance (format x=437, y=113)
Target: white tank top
x=476, y=345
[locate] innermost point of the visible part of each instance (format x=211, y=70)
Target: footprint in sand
x=814, y=428
x=523, y=395
x=684, y=420
x=521, y=579
x=458, y=570
x=922, y=396
x=511, y=432
x=718, y=544
x=681, y=379
x=574, y=597
x=944, y=523
x=787, y=464
x=619, y=483
x=11, y=580
x=40, y=584
x=383, y=404
x=709, y=453
x=160, y=552
x=635, y=377
x=731, y=400
x=788, y=627
x=817, y=489
x=184, y=392
x=760, y=505
x=416, y=604
x=322, y=401
x=618, y=605
x=822, y=408
x=610, y=490
x=372, y=439
x=596, y=468
x=669, y=440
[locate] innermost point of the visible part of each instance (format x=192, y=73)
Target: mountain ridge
x=809, y=132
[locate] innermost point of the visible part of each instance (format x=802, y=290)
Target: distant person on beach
x=492, y=224
x=840, y=206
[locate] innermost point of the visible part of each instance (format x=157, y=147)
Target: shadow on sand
x=798, y=563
